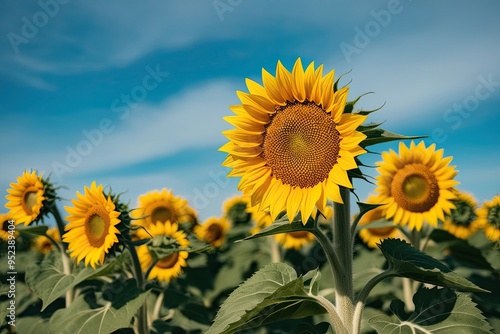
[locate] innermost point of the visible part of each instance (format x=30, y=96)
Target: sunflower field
x=297, y=250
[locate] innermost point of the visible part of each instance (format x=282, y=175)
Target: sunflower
x=171, y=265
x=213, y=231
x=462, y=222
x=292, y=240
x=162, y=206
x=26, y=198
x=293, y=145
x=43, y=244
x=5, y=221
x=295, y=240
x=416, y=185
x=92, y=226
x=489, y=218
x=372, y=236
x=235, y=209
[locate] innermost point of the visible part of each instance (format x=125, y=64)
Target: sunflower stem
x=343, y=247
x=64, y=248
x=142, y=315
x=275, y=250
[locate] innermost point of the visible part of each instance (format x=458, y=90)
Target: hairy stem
x=142, y=314
x=343, y=247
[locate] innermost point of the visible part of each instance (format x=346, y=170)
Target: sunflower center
x=161, y=214
x=214, y=232
x=168, y=261
x=463, y=214
x=97, y=226
x=415, y=188
x=5, y=225
x=298, y=234
x=301, y=144
x=494, y=216
x=29, y=201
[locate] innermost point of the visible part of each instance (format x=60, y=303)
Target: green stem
x=275, y=250
x=64, y=248
x=343, y=247
x=326, y=245
x=332, y=312
x=142, y=314
x=363, y=295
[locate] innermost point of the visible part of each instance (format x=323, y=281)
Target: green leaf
x=406, y=261
x=283, y=225
x=461, y=250
x=377, y=136
x=437, y=310
x=34, y=231
x=85, y=315
x=363, y=209
x=48, y=281
x=32, y=325
x=271, y=294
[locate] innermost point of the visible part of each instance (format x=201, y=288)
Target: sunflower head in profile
x=416, y=185
x=292, y=144
x=373, y=236
x=29, y=198
x=489, y=218
x=7, y=225
x=462, y=221
x=161, y=206
x=92, y=228
x=213, y=231
x=43, y=244
x=166, y=234
x=235, y=210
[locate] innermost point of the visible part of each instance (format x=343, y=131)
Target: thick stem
x=157, y=307
x=64, y=247
x=332, y=312
x=343, y=247
x=274, y=250
x=142, y=314
x=363, y=295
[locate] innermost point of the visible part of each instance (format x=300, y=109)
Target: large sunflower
x=26, y=197
x=489, y=218
x=293, y=145
x=213, y=231
x=416, y=185
x=462, y=222
x=162, y=206
x=171, y=265
x=6, y=227
x=43, y=244
x=372, y=236
x=92, y=226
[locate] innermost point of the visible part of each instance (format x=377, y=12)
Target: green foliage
x=272, y=293
x=440, y=311
x=105, y=313
x=406, y=261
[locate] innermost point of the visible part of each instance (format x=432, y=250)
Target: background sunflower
x=373, y=236
x=26, y=197
x=169, y=266
x=463, y=220
x=489, y=218
x=415, y=185
x=213, y=231
x=92, y=226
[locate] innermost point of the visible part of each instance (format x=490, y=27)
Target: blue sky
x=132, y=94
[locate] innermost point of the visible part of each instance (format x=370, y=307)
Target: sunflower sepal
x=34, y=231
x=378, y=135
x=407, y=261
